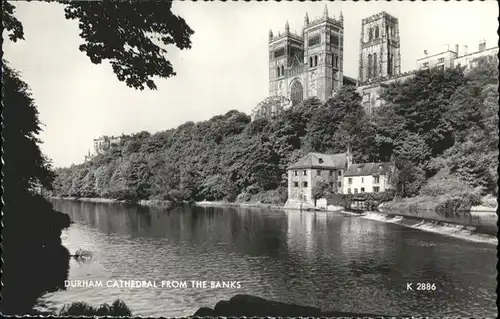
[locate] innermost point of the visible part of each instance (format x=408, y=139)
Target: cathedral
x=308, y=64
x=311, y=64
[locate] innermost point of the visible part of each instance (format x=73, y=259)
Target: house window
x=355, y=191
x=376, y=179
x=305, y=173
x=295, y=184
x=362, y=180
x=318, y=172
x=331, y=184
x=349, y=181
x=348, y=191
x=426, y=64
x=304, y=184
x=441, y=68
x=362, y=189
x=331, y=173
x=339, y=185
x=376, y=189
x=440, y=60
x=339, y=173
x=295, y=173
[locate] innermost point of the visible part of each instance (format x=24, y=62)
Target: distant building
x=312, y=168
x=443, y=60
x=469, y=60
x=104, y=143
x=449, y=59
x=367, y=178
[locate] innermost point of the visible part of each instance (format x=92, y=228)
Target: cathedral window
x=375, y=65
x=376, y=32
x=278, y=72
x=369, y=66
x=279, y=52
x=334, y=40
x=314, y=40
x=282, y=70
x=370, y=35
x=310, y=62
x=315, y=60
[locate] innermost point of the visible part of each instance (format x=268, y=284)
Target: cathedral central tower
x=379, y=48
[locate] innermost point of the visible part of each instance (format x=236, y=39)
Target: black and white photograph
x=250, y=158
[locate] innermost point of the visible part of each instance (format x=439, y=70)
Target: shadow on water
x=35, y=262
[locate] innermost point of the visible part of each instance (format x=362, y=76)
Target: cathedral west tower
x=308, y=64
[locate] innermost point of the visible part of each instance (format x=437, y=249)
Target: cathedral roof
x=322, y=161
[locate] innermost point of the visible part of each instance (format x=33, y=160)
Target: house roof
x=324, y=161
x=368, y=169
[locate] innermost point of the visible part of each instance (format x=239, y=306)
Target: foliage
x=421, y=129
x=27, y=166
x=11, y=23
x=117, y=309
x=453, y=205
x=32, y=228
x=132, y=36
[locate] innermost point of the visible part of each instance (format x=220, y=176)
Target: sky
x=226, y=68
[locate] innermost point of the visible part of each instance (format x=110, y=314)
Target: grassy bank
x=433, y=203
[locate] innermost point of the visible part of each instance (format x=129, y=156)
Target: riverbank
x=149, y=202
x=429, y=203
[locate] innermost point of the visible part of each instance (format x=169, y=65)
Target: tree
x=131, y=35
x=423, y=102
x=25, y=165
x=320, y=190
x=32, y=228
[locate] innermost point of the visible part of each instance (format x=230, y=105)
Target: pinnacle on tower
x=325, y=12
x=287, y=27
x=306, y=19
x=270, y=34
x=341, y=15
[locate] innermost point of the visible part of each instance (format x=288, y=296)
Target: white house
x=311, y=169
x=367, y=178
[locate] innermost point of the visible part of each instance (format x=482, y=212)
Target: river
x=325, y=259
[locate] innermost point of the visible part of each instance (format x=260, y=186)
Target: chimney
x=456, y=49
x=349, y=156
x=465, y=50
x=482, y=45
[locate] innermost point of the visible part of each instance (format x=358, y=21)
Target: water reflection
x=315, y=258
